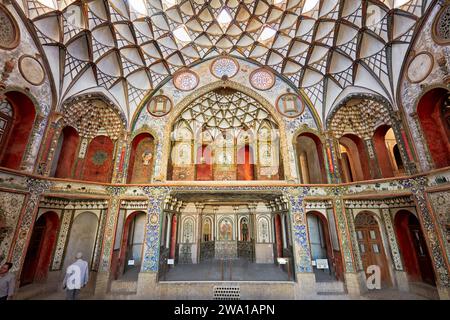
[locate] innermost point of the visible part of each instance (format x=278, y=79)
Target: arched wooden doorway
x=413, y=248
x=310, y=159
x=320, y=244
x=40, y=248
x=371, y=246
x=140, y=166
x=245, y=163
x=132, y=243
x=434, y=118
x=17, y=116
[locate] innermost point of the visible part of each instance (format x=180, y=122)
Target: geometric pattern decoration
x=185, y=80
x=262, y=79
x=224, y=67
x=224, y=109
x=441, y=29
x=9, y=30
x=360, y=116
x=93, y=117
x=131, y=47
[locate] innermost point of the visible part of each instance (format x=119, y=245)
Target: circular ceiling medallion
x=9, y=30
x=185, y=80
x=159, y=106
x=32, y=70
x=262, y=79
x=224, y=67
x=441, y=26
x=290, y=105
x=420, y=67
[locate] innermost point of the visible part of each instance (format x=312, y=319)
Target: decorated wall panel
x=10, y=209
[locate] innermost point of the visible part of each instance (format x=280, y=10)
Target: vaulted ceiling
x=129, y=47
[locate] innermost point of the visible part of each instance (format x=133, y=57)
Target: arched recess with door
x=140, y=165
x=433, y=112
x=17, y=118
x=82, y=237
x=131, y=248
x=310, y=159
x=321, y=247
x=413, y=248
x=371, y=247
x=40, y=249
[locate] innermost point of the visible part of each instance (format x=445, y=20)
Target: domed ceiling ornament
x=262, y=79
x=185, y=80
x=132, y=47
x=9, y=30
x=441, y=26
x=224, y=67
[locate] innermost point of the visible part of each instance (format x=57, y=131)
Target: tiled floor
x=234, y=270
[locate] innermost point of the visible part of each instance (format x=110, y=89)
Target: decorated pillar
x=49, y=144
x=122, y=153
x=400, y=274
x=147, y=279
x=26, y=223
x=403, y=143
x=104, y=269
x=374, y=167
x=353, y=268
x=332, y=155
x=433, y=236
x=199, y=207
x=305, y=278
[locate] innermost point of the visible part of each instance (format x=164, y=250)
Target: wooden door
x=423, y=258
x=371, y=245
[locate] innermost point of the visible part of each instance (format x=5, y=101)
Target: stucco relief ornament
x=37, y=186
x=7, y=70
x=115, y=191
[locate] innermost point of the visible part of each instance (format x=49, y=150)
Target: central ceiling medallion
x=262, y=79
x=185, y=80
x=224, y=67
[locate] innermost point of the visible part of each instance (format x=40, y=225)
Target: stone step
x=333, y=287
x=123, y=287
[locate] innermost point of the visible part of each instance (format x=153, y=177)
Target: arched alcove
x=434, y=117
x=65, y=154
x=17, y=117
x=140, y=165
x=225, y=121
x=310, y=159
x=40, y=248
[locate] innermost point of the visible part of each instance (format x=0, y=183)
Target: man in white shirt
x=7, y=282
x=77, y=276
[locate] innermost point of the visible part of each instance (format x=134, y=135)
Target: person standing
x=7, y=282
x=77, y=276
